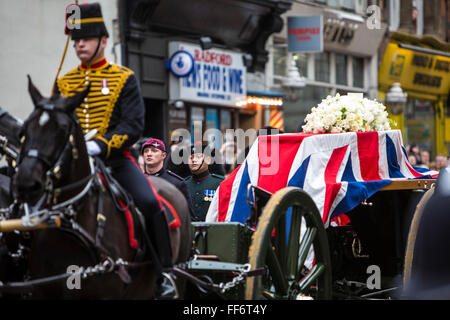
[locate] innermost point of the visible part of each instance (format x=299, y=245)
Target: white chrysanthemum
x=347, y=114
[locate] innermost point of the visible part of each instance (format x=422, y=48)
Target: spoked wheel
x=408, y=267
x=284, y=254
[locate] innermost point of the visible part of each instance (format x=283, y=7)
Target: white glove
x=93, y=148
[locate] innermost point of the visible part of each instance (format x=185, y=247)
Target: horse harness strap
x=108, y=265
x=5, y=146
x=101, y=219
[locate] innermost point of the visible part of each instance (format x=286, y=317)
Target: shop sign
x=218, y=77
x=305, y=34
x=181, y=63
x=416, y=71
x=338, y=31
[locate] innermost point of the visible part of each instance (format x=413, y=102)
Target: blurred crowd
x=420, y=157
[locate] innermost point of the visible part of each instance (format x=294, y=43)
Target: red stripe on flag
x=412, y=170
x=368, y=155
x=274, y=163
x=225, y=195
x=332, y=188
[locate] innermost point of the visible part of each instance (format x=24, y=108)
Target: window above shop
x=358, y=72
x=358, y=6
x=328, y=69
x=341, y=69
x=322, y=66
x=280, y=58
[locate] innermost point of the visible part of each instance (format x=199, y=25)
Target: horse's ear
x=34, y=92
x=76, y=100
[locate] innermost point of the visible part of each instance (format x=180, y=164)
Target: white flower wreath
x=349, y=113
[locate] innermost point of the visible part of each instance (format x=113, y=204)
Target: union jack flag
x=338, y=170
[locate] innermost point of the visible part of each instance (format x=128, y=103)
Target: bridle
x=7, y=148
x=54, y=172
x=47, y=209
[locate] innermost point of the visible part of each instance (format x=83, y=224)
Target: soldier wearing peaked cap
x=202, y=184
x=113, y=113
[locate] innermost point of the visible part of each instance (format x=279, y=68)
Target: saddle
x=135, y=220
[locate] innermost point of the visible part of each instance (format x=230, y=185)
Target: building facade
x=224, y=40
x=143, y=36
x=416, y=54
x=347, y=63
x=33, y=43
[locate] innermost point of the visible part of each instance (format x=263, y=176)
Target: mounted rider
x=114, y=113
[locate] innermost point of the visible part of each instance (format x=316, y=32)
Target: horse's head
x=47, y=140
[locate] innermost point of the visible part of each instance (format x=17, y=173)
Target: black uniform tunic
x=178, y=182
x=115, y=108
x=202, y=188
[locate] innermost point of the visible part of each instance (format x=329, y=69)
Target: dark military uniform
x=178, y=182
x=116, y=109
x=202, y=188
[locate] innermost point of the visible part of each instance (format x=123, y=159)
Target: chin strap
x=201, y=164
x=96, y=50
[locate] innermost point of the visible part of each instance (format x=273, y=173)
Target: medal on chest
x=209, y=195
x=105, y=89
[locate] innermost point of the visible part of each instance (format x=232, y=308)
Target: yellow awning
x=423, y=74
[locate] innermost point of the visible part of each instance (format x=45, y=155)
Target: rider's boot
x=159, y=234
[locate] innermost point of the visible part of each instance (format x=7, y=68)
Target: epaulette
x=218, y=176
x=173, y=174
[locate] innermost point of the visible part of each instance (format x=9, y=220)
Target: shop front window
x=226, y=123
x=212, y=133
x=197, y=119
x=295, y=110
x=322, y=66
x=358, y=72
x=420, y=124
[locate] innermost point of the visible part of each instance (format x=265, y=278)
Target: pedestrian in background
x=425, y=156
x=441, y=161
x=415, y=150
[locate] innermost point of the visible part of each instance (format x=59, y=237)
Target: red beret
x=154, y=143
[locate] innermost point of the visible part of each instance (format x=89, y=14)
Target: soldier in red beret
x=154, y=153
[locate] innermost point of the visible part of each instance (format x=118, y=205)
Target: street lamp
x=396, y=99
x=293, y=79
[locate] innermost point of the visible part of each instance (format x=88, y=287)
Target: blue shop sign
x=305, y=34
x=181, y=63
x=217, y=77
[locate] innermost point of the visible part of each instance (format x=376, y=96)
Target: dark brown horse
x=57, y=184
x=11, y=264
x=10, y=128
